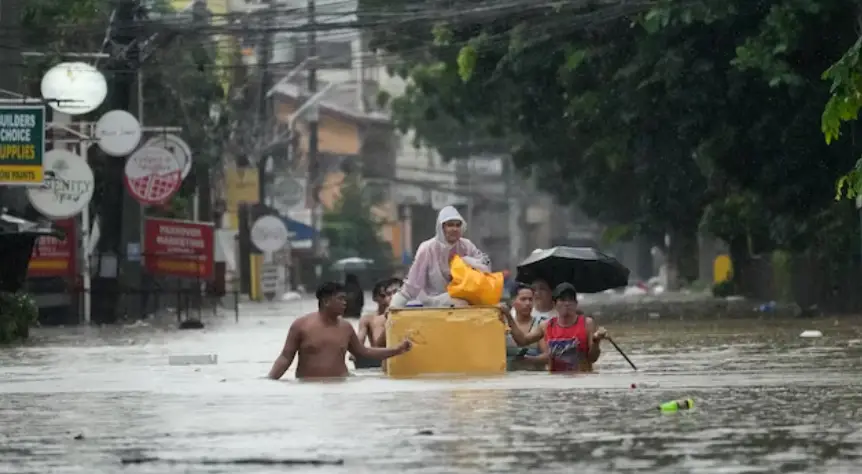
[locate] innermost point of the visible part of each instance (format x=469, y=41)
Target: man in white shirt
x=543, y=300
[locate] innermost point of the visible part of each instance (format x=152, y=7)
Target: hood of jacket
x=448, y=214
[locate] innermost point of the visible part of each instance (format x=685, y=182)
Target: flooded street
x=766, y=401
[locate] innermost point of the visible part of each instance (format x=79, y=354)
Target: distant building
x=417, y=182
x=349, y=141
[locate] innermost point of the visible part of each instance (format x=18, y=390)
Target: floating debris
x=676, y=405
x=235, y=462
x=199, y=359
x=192, y=324
x=811, y=333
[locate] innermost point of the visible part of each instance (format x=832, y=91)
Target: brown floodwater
x=105, y=400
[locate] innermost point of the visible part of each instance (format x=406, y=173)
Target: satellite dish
x=79, y=88
x=118, y=132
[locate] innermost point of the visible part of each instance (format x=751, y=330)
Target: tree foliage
x=352, y=228
x=18, y=311
x=682, y=115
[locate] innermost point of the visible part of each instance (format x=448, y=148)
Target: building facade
x=507, y=216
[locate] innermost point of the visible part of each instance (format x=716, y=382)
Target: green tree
x=650, y=119
x=18, y=312
x=566, y=102
x=844, y=102
x=352, y=228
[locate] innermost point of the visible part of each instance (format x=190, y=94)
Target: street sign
x=74, y=88
x=272, y=280
x=269, y=234
x=179, y=248
x=118, y=132
x=152, y=175
x=177, y=147
x=22, y=144
x=68, y=187
x=53, y=257
x=269, y=278
x=289, y=192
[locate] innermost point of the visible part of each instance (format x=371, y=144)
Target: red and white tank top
x=567, y=345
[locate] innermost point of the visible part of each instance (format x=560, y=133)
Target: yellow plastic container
x=464, y=341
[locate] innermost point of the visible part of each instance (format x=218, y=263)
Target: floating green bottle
x=677, y=405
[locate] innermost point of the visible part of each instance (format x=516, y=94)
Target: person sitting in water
x=372, y=326
x=534, y=357
x=430, y=274
x=572, y=338
x=323, y=338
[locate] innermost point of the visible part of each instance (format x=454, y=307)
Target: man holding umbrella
x=573, y=339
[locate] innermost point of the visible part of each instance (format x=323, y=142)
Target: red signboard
x=178, y=248
x=53, y=257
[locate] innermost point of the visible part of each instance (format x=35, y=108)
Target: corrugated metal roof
x=341, y=99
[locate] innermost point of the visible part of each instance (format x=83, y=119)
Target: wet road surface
x=766, y=401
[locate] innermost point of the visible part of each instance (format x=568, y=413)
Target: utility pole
x=264, y=53
x=315, y=175
x=120, y=215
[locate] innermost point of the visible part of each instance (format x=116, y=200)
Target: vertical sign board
x=53, y=257
x=22, y=144
x=178, y=248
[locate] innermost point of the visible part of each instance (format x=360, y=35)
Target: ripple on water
x=765, y=401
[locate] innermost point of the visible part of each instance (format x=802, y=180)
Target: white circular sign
x=269, y=234
x=174, y=144
x=118, y=132
x=289, y=191
x=152, y=175
x=79, y=88
x=67, y=188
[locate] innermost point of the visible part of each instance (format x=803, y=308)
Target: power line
x=538, y=34
x=232, y=23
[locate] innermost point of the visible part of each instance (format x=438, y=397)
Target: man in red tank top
x=571, y=339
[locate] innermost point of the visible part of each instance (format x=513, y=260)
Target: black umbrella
x=589, y=270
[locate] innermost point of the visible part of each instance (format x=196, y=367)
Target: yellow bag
x=473, y=286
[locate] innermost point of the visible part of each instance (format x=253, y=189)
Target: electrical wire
x=537, y=33
x=232, y=23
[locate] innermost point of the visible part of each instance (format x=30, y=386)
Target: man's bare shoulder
x=303, y=321
x=345, y=326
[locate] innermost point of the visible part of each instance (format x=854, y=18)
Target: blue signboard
x=297, y=231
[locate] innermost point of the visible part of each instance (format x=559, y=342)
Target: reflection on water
x=766, y=401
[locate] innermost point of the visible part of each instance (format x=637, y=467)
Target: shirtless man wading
x=323, y=338
x=372, y=326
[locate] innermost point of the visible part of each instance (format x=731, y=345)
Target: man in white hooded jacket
x=430, y=275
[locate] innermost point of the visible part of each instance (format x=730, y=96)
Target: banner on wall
x=53, y=257
x=179, y=248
